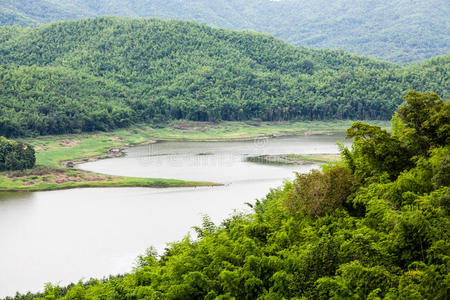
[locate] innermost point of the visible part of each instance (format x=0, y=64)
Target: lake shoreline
x=200, y=185
x=119, y=152
x=63, y=153
x=67, y=178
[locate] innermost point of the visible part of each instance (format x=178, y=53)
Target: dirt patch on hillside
x=61, y=178
x=62, y=144
x=192, y=125
x=69, y=143
x=38, y=148
x=37, y=171
x=58, y=177
x=112, y=153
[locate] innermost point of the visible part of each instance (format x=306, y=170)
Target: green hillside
x=103, y=73
x=398, y=30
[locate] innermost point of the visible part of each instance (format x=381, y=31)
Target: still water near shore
x=64, y=236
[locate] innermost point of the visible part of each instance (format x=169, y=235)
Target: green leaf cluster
x=15, y=155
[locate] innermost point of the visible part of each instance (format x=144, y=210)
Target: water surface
x=64, y=236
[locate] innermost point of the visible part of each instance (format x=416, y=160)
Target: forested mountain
x=397, y=30
x=374, y=227
x=103, y=73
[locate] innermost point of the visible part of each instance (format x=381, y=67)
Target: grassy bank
x=44, y=178
x=294, y=159
x=52, y=151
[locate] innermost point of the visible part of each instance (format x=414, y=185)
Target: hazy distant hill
x=109, y=72
x=396, y=30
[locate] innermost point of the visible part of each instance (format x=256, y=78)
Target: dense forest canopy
x=104, y=73
x=397, y=30
x=374, y=227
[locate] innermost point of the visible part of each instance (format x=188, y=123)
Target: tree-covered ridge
x=374, y=227
x=104, y=73
x=398, y=30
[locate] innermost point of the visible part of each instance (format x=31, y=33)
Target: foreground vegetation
x=383, y=29
x=109, y=73
x=376, y=226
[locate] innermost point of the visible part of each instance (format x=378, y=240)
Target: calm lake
x=65, y=236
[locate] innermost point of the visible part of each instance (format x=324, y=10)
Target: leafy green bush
x=318, y=193
x=15, y=155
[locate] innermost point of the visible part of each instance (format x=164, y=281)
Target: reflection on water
x=14, y=197
x=63, y=236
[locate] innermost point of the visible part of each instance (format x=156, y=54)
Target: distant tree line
x=106, y=73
